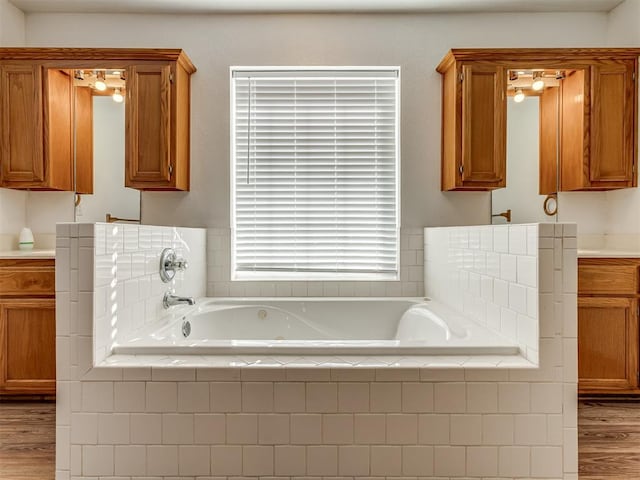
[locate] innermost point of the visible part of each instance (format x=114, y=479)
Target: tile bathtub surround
x=122, y=289
x=305, y=423
x=505, y=277
x=219, y=282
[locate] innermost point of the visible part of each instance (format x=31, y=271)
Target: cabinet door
x=484, y=111
x=27, y=346
x=607, y=345
x=21, y=131
x=148, y=127
x=613, y=101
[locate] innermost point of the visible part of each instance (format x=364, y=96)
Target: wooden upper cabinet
x=589, y=134
x=613, y=126
x=21, y=129
x=484, y=139
x=157, y=132
x=37, y=129
x=474, y=128
x=40, y=107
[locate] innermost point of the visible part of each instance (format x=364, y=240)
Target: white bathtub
x=316, y=326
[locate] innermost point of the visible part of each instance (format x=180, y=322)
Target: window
x=315, y=167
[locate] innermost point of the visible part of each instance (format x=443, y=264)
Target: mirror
x=99, y=147
x=534, y=100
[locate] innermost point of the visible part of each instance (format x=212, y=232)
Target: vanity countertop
x=608, y=253
x=33, y=254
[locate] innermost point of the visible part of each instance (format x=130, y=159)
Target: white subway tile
x=97, y=460
x=482, y=397
x=508, y=267
x=433, y=429
x=306, y=429
x=322, y=397
x=209, y=428
x=449, y=461
x=513, y=397
x=322, y=460
x=402, y=429
x=417, y=397
x=177, y=428
x=500, y=293
x=370, y=428
x=466, y=429
x=386, y=397
x=130, y=460
x=84, y=428
x=482, y=461
x=242, y=428
x=497, y=429
x=97, y=396
x=146, y=428
x=290, y=460
x=113, y=428
x=226, y=397
x=386, y=460
x=162, y=460
x=450, y=397
x=518, y=298
x=353, y=460
x=257, y=397
x=546, y=462
x=193, y=397
x=273, y=429
x=353, y=397
x=530, y=429
x=226, y=460
x=194, y=460
x=162, y=397
x=501, y=240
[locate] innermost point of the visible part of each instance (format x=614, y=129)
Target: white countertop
x=608, y=253
x=33, y=254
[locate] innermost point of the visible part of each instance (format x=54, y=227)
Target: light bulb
x=117, y=96
x=519, y=96
x=100, y=84
x=538, y=82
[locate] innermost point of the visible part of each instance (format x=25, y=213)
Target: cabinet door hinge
x=171, y=77
x=461, y=169
x=170, y=170
x=461, y=76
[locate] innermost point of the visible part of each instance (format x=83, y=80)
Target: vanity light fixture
x=519, y=96
x=78, y=74
x=538, y=82
x=100, y=84
x=117, y=96
x=513, y=76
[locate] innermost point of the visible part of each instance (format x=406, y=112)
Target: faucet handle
x=170, y=264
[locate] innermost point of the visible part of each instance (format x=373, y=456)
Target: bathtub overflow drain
x=186, y=329
x=262, y=314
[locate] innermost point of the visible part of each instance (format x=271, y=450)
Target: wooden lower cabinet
x=607, y=344
x=608, y=338
x=27, y=327
x=28, y=354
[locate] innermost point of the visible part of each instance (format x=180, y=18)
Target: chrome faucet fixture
x=170, y=264
x=169, y=300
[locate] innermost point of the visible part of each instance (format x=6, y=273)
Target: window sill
x=313, y=277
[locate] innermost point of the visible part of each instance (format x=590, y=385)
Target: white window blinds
x=315, y=172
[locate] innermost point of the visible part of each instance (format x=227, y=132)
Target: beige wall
x=416, y=42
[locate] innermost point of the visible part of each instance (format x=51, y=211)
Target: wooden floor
x=608, y=440
x=27, y=440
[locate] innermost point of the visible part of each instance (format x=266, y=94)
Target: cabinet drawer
x=27, y=278
x=608, y=279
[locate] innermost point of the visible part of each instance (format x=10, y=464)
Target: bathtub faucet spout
x=169, y=300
